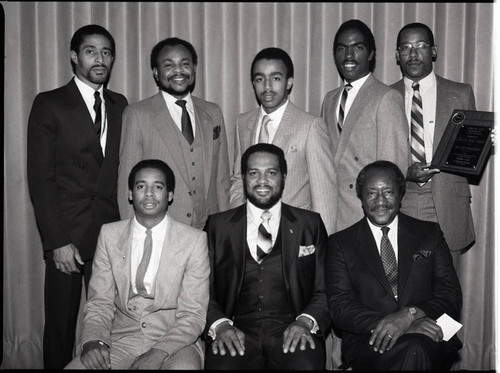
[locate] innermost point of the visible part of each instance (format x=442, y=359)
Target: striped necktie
x=417, y=126
x=389, y=261
x=343, y=100
x=264, y=238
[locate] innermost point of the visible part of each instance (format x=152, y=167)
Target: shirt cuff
x=315, y=326
x=215, y=324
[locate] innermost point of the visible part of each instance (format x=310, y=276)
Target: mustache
x=386, y=206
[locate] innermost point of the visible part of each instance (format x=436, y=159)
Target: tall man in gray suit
x=311, y=180
x=183, y=130
x=148, y=294
x=430, y=195
x=365, y=118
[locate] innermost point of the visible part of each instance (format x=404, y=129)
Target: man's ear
x=155, y=73
x=74, y=57
x=397, y=57
x=434, y=52
x=130, y=196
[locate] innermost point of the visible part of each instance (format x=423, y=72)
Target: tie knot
x=181, y=103
x=266, y=119
x=348, y=87
x=415, y=86
x=97, y=95
x=385, y=230
x=148, y=232
x=266, y=215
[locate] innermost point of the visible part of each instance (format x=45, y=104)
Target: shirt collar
x=139, y=228
x=172, y=100
x=87, y=90
x=358, y=83
x=425, y=83
x=276, y=115
x=255, y=213
x=393, y=226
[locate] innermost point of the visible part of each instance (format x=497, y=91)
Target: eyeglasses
x=405, y=49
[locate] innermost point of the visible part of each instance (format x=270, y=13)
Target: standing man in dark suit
x=184, y=131
x=365, y=117
x=431, y=195
x=73, y=141
x=388, y=278
x=303, y=138
x=267, y=307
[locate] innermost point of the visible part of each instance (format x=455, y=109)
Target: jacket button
x=143, y=325
x=81, y=166
x=356, y=158
x=188, y=215
x=350, y=186
x=92, y=196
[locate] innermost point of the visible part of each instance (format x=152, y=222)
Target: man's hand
x=65, y=257
x=95, y=355
x=389, y=329
x=420, y=172
x=231, y=337
x=152, y=359
x=428, y=327
x=297, y=331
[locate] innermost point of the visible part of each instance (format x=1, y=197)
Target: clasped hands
x=394, y=325
x=231, y=338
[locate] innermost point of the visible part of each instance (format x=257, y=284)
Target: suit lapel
x=407, y=246
x=238, y=240
x=289, y=243
x=204, y=128
x=443, y=112
x=121, y=267
x=248, y=137
x=285, y=128
x=162, y=120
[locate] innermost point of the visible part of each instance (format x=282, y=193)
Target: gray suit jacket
x=179, y=311
x=375, y=128
x=311, y=180
x=149, y=132
x=451, y=193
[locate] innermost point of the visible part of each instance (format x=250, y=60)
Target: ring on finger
x=390, y=336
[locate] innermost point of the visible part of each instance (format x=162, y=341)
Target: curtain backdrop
x=227, y=36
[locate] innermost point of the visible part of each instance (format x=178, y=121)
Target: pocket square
x=217, y=132
x=306, y=250
x=421, y=255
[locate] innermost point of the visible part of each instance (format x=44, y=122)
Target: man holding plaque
x=429, y=101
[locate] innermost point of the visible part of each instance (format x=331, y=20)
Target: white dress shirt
x=351, y=95
x=428, y=92
x=158, y=233
x=273, y=125
x=176, y=111
x=393, y=235
x=87, y=93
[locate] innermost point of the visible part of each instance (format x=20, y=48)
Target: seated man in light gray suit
x=311, y=180
x=148, y=294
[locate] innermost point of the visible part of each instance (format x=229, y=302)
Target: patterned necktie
x=343, y=100
x=417, y=126
x=187, y=128
x=143, y=265
x=264, y=238
x=98, y=115
x=389, y=261
x=264, y=129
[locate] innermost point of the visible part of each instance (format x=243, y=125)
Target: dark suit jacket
x=451, y=192
x=359, y=294
x=303, y=276
x=73, y=187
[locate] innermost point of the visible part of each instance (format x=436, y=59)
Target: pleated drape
x=227, y=36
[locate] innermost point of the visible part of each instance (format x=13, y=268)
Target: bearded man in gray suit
x=431, y=195
x=185, y=131
x=365, y=117
x=311, y=180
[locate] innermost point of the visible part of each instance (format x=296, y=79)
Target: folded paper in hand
x=448, y=325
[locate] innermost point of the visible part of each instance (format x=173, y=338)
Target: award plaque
x=466, y=143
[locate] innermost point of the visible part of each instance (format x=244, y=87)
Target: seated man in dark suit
x=388, y=278
x=267, y=307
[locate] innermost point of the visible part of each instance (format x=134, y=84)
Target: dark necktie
x=389, y=261
x=264, y=129
x=187, y=128
x=343, y=100
x=417, y=126
x=264, y=238
x=143, y=265
x=98, y=115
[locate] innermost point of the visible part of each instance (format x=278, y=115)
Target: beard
x=266, y=204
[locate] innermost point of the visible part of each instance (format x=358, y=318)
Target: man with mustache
x=388, y=278
x=311, y=179
x=431, y=195
x=148, y=294
x=186, y=132
x=267, y=307
x=73, y=142
x=365, y=118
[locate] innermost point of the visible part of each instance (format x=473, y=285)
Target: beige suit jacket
x=149, y=133
x=375, y=128
x=311, y=180
x=451, y=193
x=178, y=315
